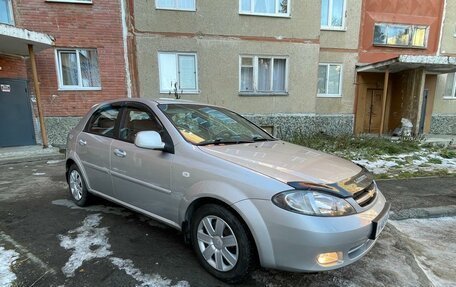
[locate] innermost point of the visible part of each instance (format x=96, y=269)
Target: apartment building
x=77, y=60
x=332, y=66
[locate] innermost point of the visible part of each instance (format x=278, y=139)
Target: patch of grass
x=447, y=153
x=356, y=147
x=435, y=160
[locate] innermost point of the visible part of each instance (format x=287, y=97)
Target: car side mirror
x=149, y=140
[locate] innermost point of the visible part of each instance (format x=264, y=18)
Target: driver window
x=136, y=121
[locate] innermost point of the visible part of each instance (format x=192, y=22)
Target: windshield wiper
x=262, y=139
x=220, y=141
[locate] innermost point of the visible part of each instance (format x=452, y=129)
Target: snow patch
x=39, y=173
x=7, y=258
x=87, y=242
x=54, y=161
x=93, y=208
x=154, y=280
x=436, y=247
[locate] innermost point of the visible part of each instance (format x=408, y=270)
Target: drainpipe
x=385, y=93
x=125, y=46
x=38, y=95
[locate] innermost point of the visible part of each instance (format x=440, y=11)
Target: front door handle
x=120, y=153
x=82, y=142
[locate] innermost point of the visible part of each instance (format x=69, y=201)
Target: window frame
x=453, y=88
x=58, y=61
x=157, y=7
x=177, y=54
x=326, y=95
x=275, y=14
x=255, y=90
x=330, y=27
x=72, y=1
x=11, y=14
x=411, y=27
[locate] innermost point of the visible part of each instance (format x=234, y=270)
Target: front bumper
x=292, y=242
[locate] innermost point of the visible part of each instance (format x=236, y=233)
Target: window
x=263, y=74
x=6, y=12
x=137, y=121
x=176, y=4
x=265, y=7
x=103, y=121
x=178, y=72
x=329, y=80
x=450, y=87
x=332, y=14
x=78, y=69
x=400, y=35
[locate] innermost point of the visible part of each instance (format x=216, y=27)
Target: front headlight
x=313, y=203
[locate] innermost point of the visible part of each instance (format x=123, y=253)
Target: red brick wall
x=418, y=12
x=96, y=25
x=12, y=67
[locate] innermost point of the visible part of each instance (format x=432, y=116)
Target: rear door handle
x=82, y=142
x=120, y=153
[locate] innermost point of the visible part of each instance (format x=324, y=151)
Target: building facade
x=85, y=64
x=293, y=67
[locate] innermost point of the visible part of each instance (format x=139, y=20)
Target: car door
x=93, y=147
x=142, y=177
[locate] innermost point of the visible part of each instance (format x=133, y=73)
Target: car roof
x=148, y=101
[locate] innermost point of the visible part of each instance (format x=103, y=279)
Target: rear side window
x=138, y=120
x=103, y=121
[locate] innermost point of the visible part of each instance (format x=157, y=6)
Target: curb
x=32, y=159
x=427, y=212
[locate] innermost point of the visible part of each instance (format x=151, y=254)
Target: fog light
x=329, y=259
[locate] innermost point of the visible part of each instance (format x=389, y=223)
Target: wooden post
x=385, y=94
x=36, y=84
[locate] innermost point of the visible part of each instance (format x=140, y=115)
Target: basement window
x=78, y=69
x=400, y=35
x=6, y=12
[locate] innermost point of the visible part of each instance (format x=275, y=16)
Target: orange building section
x=412, y=12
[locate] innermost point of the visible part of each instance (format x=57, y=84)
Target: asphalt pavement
x=45, y=240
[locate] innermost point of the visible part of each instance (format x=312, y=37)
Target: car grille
x=366, y=196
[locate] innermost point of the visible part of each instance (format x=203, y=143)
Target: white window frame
x=72, y=1
x=176, y=6
x=275, y=14
x=255, y=74
x=10, y=8
x=412, y=29
x=331, y=27
x=196, y=91
x=326, y=95
x=60, y=76
x=453, y=89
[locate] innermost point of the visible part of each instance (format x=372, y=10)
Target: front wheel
x=221, y=243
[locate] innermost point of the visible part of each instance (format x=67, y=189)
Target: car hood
x=287, y=162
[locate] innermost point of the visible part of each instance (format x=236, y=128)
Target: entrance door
x=373, y=116
x=16, y=121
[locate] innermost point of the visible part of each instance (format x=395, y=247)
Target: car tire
x=77, y=186
x=222, y=243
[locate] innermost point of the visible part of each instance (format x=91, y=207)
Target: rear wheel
x=221, y=243
x=77, y=186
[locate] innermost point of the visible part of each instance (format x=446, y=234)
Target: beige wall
x=344, y=104
x=218, y=72
x=348, y=38
x=222, y=18
x=448, y=44
x=442, y=105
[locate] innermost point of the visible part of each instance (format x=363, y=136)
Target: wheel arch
x=197, y=203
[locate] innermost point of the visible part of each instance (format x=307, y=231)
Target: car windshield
x=205, y=125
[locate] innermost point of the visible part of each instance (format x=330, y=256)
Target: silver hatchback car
x=239, y=195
